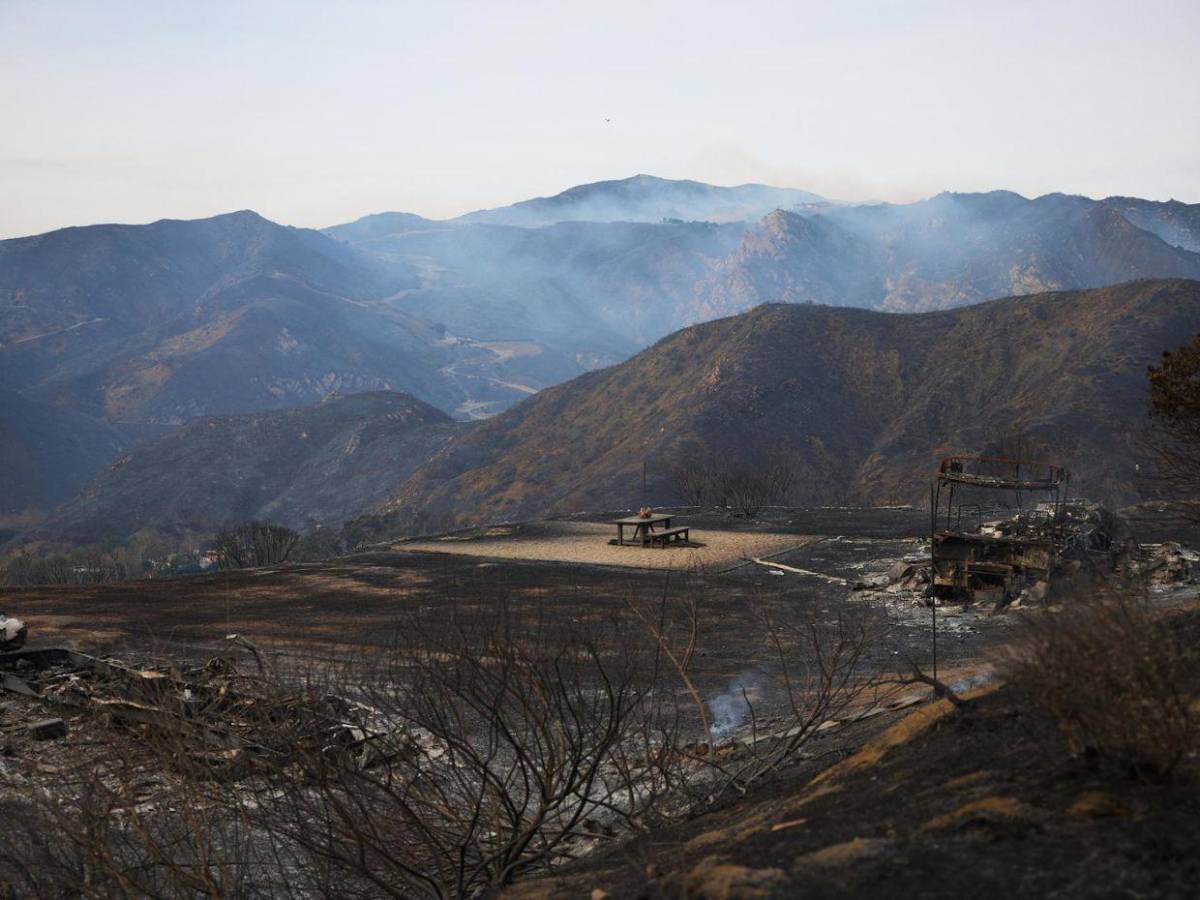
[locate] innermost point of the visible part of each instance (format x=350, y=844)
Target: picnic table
x=643, y=527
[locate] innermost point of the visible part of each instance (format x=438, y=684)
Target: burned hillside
x=865, y=404
x=857, y=405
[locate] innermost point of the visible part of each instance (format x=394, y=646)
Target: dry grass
x=1114, y=678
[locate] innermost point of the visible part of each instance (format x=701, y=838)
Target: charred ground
x=898, y=793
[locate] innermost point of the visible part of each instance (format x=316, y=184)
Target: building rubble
x=1005, y=534
x=1166, y=564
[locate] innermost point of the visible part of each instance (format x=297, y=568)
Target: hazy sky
x=317, y=113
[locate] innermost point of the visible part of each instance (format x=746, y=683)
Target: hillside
x=948, y=251
x=124, y=326
x=164, y=322
x=865, y=402
x=598, y=291
x=987, y=802
x=48, y=452
x=1176, y=223
x=313, y=464
x=136, y=326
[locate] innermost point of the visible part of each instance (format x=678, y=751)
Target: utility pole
x=933, y=609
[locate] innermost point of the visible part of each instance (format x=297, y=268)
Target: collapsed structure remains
x=978, y=553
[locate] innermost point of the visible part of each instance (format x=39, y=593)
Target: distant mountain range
x=952, y=250
x=864, y=403
x=640, y=279
x=124, y=331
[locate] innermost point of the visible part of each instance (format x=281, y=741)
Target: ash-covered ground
x=358, y=605
x=326, y=609
x=825, y=569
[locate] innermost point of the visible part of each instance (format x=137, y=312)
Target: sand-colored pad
x=588, y=543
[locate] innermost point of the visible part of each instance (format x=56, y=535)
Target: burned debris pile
x=219, y=717
x=1166, y=564
x=979, y=555
x=1004, y=533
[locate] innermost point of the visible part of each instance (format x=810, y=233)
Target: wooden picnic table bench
x=671, y=534
x=643, y=528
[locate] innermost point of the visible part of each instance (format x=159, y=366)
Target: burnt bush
x=254, y=544
x=1114, y=678
x=486, y=744
x=82, y=567
x=318, y=544
x=512, y=750
x=744, y=484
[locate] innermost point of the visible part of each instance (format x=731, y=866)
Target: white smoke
x=729, y=710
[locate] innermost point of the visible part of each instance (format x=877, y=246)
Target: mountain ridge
x=863, y=403
x=869, y=402
x=143, y=327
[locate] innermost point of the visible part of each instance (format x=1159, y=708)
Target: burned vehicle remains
x=998, y=527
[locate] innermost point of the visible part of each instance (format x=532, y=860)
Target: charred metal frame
x=970, y=562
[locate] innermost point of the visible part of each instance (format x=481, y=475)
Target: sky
x=317, y=113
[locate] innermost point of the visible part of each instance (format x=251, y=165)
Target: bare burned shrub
x=819, y=666
x=91, y=566
x=110, y=828
x=745, y=480
x=318, y=544
x=693, y=480
x=751, y=484
x=514, y=748
x=1113, y=678
x=1175, y=423
x=483, y=746
x=254, y=544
